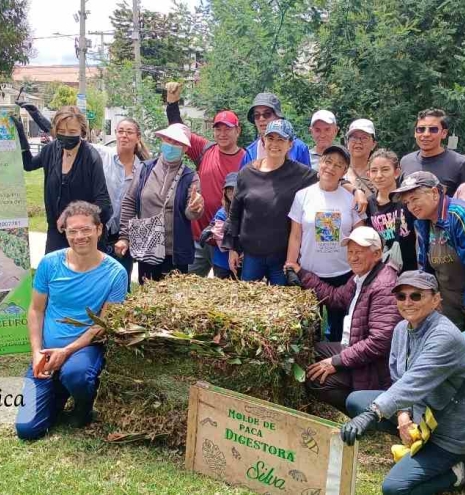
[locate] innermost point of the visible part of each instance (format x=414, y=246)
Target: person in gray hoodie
x=427, y=368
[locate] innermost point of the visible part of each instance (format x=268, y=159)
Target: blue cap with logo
x=282, y=127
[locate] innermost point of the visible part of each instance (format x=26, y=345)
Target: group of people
x=380, y=241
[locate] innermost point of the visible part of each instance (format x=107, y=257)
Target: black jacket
x=85, y=181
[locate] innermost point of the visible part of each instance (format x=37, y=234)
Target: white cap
x=364, y=125
x=364, y=236
x=178, y=132
x=325, y=116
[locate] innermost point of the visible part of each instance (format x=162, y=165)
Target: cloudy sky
x=47, y=17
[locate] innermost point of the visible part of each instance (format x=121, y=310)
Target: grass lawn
x=72, y=461
x=35, y=200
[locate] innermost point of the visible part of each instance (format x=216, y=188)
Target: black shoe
x=81, y=416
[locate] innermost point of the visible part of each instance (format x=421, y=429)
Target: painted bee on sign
x=307, y=440
x=298, y=475
x=236, y=454
x=312, y=491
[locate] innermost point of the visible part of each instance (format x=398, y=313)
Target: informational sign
x=81, y=103
x=15, y=273
x=267, y=448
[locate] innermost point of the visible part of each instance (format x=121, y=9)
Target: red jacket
x=374, y=318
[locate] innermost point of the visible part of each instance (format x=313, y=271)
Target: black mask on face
x=68, y=142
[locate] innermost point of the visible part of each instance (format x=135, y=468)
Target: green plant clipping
x=14, y=243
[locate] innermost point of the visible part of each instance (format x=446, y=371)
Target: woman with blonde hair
x=72, y=171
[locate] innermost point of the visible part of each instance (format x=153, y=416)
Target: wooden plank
x=192, y=426
x=266, y=448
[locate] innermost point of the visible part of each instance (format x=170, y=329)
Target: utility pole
x=136, y=41
x=81, y=101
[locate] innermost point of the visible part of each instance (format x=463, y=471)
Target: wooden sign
x=267, y=448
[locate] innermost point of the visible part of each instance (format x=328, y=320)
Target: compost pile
x=248, y=337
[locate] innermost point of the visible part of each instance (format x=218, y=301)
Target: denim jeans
x=78, y=378
x=255, y=268
x=426, y=473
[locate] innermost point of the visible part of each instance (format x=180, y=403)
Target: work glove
x=173, y=92
x=292, y=278
x=357, y=427
x=43, y=123
x=21, y=134
x=205, y=236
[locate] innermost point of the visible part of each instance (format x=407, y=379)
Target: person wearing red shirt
x=214, y=161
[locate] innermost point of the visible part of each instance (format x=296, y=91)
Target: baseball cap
x=364, y=125
x=414, y=181
x=337, y=148
x=226, y=117
x=364, y=236
x=266, y=100
x=325, y=116
x=178, y=132
x=230, y=180
x=417, y=279
x=282, y=127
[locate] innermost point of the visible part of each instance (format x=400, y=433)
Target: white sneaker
x=459, y=471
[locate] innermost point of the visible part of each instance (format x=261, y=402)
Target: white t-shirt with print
x=326, y=218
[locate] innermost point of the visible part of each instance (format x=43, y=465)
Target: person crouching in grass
x=65, y=360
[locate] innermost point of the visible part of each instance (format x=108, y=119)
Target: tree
x=258, y=46
x=168, y=41
x=64, y=95
x=142, y=103
x=15, y=45
x=388, y=59
x=49, y=91
x=96, y=101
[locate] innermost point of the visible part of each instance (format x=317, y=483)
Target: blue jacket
x=299, y=153
x=451, y=217
x=183, y=242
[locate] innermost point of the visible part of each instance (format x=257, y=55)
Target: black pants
x=126, y=260
x=224, y=273
x=157, y=272
x=335, y=316
x=336, y=387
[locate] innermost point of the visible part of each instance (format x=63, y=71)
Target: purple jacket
x=373, y=321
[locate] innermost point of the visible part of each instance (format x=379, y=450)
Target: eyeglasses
x=266, y=115
x=413, y=296
x=85, y=232
x=122, y=132
x=362, y=139
x=421, y=129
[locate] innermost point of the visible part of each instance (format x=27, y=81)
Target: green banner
x=15, y=272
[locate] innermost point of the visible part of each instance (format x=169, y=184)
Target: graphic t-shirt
x=326, y=218
x=383, y=219
x=450, y=273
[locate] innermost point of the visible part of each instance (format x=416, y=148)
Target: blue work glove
x=357, y=426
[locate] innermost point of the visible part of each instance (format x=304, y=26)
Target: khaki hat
x=365, y=237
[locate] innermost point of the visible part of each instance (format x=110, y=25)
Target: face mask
x=171, y=152
x=68, y=142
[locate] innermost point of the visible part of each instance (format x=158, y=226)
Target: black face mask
x=68, y=142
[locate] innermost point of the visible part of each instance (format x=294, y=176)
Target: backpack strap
x=145, y=171
x=207, y=146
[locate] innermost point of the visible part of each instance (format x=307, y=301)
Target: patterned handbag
x=147, y=235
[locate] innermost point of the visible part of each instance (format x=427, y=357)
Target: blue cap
x=282, y=127
x=230, y=180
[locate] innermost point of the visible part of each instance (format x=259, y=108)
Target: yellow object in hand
x=399, y=451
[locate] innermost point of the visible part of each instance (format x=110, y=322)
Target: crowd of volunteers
x=380, y=240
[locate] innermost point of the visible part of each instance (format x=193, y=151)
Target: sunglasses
x=421, y=129
x=413, y=296
x=265, y=115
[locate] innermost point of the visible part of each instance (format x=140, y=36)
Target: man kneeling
x=65, y=361
x=360, y=360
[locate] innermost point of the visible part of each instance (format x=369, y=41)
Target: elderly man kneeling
x=428, y=370
x=360, y=360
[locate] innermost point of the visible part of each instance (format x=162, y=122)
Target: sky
x=56, y=16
